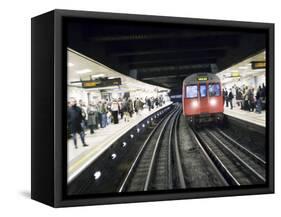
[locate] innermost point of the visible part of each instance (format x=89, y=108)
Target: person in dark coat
x=130, y=107
x=149, y=104
x=137, y=105
x=98, y=115
x=258, y=100
x=226, y=97
x=251, y=100
x=152, y=102
x=92, y=120
x=229, y=99
x=75, y=118
x=156, y=102
x=239, y=97
x=263, y=96
x=126, y=110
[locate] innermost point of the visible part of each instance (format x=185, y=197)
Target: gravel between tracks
x=197, y=170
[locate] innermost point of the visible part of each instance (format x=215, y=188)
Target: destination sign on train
x=202, y=78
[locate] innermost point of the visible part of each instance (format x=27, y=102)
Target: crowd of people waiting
x=246, y=98
x=103, y=113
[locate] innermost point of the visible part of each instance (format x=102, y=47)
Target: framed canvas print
x=130, y=108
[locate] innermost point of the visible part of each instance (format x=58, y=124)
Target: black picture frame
x=48, y=92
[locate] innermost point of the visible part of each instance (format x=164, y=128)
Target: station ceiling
x=162, y=54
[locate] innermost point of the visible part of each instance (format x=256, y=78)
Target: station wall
x=251, y=81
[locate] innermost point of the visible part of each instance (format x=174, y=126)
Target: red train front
x=202, y=98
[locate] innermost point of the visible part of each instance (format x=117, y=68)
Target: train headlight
x=213, y=102
x=194, y=104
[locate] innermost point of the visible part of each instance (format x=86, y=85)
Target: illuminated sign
x=88, y=84
x=235, y=74
x=202, y=78
x=101, y=83
x=258, y=64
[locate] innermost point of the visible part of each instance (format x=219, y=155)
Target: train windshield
x=203, y=90
x=214, y=90
x=191, y=91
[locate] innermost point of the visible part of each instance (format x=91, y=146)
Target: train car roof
x=201, y=78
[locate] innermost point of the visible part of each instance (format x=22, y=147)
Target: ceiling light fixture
x=70, y=64
x=98, y=76
x=83, y=71
x=243, y=67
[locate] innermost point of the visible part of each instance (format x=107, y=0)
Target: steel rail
x=241, y=161
x=239, y=146
x=130, y=172
x=156, y=147
x=214, y=161
x=170, y=157
x=177, y=153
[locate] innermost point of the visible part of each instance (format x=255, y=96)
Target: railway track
x=238, y=165
x=157, y=165
x=176, y=156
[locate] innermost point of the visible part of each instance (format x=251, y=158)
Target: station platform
x=252, y=117
x=101, y=140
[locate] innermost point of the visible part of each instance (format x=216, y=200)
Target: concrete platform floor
x=252, y=117
x=98, y=142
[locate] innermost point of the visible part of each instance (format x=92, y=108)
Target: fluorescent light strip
x=70, y=64
x=98, y=75
x=83, y=71
x=243, y=67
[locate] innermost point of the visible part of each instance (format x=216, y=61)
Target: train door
x=191, y=102
x=215, y=98
x=203, y=98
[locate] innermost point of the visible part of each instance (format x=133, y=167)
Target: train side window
x=191, y=91
x=203, y=90
x=214, y=90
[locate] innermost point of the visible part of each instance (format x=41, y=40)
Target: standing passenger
x=103, y=114
x=99, y=105
x=149, y=104
x=137, y=105
x=152, y=102
x=115, y=111
x=120, y=103
x=126, y=110
x=230, y=98
x=251, y=99
x=84, y=115
x=75, y=118
x=258, y=99
x=156, y=102
x=263, y=96
x=130, y=107
x=226, y=97
x=92, y=121
x=246, y=99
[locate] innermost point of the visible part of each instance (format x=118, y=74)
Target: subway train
x=202, y=98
